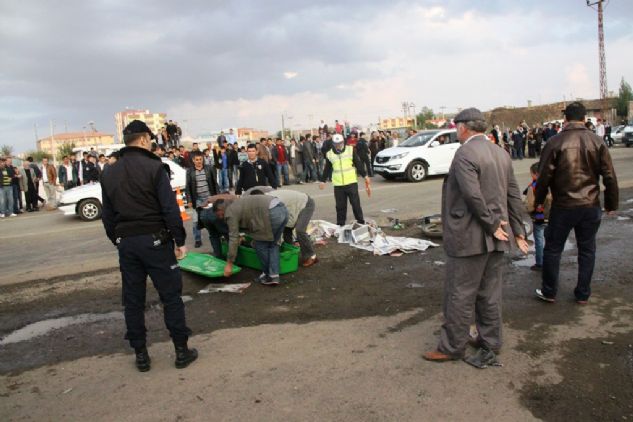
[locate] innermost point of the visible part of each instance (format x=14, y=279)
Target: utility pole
x=283, y=130
x=601, y=53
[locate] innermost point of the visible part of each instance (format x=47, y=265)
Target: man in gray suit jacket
x=481, y=203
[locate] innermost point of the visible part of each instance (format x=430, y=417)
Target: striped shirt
x=202, y=187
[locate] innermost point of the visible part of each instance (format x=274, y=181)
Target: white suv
x=427, y=153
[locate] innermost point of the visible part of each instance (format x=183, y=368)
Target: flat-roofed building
x=155, y=121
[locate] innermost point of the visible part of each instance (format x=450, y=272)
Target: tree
x=65, y=149
x=37, y=155
x=423, y=119
x=6, y=150
x=625, y=95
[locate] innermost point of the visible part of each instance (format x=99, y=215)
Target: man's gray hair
x=478, y=126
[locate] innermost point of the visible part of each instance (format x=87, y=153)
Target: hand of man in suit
x=522, y=244
x=501, y=234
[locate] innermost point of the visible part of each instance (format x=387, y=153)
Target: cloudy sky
x=221, y=63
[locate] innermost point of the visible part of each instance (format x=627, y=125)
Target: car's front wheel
x=416, y=172
x=89, y=210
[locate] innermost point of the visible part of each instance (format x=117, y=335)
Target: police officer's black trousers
x=138, y=258
x=341, y=195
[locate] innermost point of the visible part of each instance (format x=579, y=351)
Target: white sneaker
x=13, y=215
x=1, y=215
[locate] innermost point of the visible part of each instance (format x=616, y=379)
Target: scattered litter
x=225, y=288
x=405, y=274
x=439, y=262
x=415, y=285
x=629, y=201
x=392, y=210
x=525, y=262
x=368, y=237
x=396, y=253
x=607, y=343
x=67, y=391
x=186, y=299
x=623, y=218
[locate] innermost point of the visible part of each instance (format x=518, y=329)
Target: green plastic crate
x=205, y=265
x=247, y=257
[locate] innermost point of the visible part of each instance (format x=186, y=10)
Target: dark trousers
x=31, y=197
x=473, y=286
x=17, y=199
x=138, y=258
x=585, y=223
x=341, y=195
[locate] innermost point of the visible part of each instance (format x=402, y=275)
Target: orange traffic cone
x=181, y=204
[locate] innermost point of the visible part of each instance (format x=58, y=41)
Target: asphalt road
x=48, y=244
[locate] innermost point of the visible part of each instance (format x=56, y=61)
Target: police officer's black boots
x=143, y=361
x=185, y=355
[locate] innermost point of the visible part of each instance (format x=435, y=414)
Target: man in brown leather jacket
x=571, y=165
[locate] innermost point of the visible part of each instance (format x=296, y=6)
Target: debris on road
x=389, y=210
x=439, y=262
x=225, y=288
x=368, y=237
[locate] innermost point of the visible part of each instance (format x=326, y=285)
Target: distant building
x=396, y=123
x=249, y=134
x=155, y=121
x=51, y=144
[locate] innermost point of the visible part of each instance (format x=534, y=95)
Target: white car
x=85, y=200
x=427, y=153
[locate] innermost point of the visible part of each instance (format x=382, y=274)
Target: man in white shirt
x=231, y=138
x=600, y=129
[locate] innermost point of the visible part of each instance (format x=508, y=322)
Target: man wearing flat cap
x=142, y=219
x=481, y=208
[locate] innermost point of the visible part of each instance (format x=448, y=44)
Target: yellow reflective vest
x=343, y=170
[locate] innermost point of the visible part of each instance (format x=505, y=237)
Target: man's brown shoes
x=437, y=356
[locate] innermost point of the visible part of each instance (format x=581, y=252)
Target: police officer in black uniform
x=141, y=217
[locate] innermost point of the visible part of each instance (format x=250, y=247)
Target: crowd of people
x=525, y=141
x=20, y=185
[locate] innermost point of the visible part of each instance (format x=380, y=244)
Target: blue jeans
x=268, y=252
x=538, y=230
x=309, y=171
x=197, y=233
x=6, y=200
x=585, y=222
x=224, y=180
x=282, y=168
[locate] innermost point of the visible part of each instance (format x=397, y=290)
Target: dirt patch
x=597, y=382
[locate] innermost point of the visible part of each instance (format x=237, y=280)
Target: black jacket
x=192, y=184
x=137, y=197
x=255, y=174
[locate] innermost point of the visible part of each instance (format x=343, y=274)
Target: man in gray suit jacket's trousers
x=481, y=207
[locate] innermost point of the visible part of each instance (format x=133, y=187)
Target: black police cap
x=136, y=127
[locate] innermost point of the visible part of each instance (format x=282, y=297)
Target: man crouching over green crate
x=300, y=210
x=263, y=218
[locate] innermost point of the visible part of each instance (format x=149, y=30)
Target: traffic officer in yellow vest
x=344, y=166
